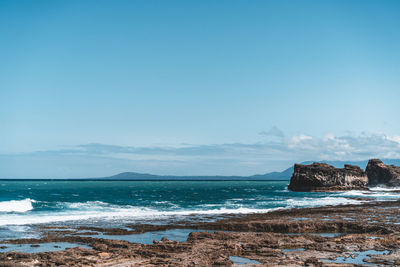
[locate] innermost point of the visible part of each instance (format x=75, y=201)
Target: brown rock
x=324, y=177
x=101, y=247
x=103, y=255
x=198, y=235
x=382, y=174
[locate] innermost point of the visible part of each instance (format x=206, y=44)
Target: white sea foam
x=16, y=205
x=95, y=210
x=100, y=210
x=283, y=191
x=316, y=202
x=380, y=188
x=376, y=192
x=352, y=193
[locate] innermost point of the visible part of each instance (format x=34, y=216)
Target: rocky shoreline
x=347, y=235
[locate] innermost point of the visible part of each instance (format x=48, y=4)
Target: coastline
x=288, y=237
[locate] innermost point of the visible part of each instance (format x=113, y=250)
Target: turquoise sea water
x=24, y=203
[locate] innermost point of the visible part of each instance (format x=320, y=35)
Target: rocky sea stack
x=381, y=174
x=324, y=177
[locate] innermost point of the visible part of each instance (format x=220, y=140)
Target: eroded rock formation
x=324, y=177
x=382, y=174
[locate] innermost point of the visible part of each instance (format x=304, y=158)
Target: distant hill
x=271, y=176
x=285, y=175
x=281, y=176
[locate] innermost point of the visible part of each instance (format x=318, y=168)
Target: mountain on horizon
x=280, y=176
x=145, y=176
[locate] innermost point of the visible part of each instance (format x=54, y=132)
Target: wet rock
x=198, y=235
x=222, y=262
x=101, y=247
x=10, y=264
x=382, y=174
x=103, y=255
x=324, y=177
x=312, y=262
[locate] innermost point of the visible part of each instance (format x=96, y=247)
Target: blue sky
x=93, y=88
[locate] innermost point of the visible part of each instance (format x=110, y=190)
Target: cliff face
x=381, y=174
x=324, y=177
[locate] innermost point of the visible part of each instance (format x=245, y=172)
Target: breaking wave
x=98, y=210
x=93, y=210
x=28, y=211
x=317, y=202
x=380, y=188
x=17, y=205
x=381, y=193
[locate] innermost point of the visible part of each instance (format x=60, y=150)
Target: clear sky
x=93, y=88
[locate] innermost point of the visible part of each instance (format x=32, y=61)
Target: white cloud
x=212, y=159
x=300, y=142
x=274, y=131
x=297, y=139
x=297, y=147
x=395, y=138
x=346, y=147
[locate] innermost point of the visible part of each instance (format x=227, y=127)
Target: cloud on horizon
x=94, y=160
x=274, y=131
x=305, y=147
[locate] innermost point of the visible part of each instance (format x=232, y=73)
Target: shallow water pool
x=180, y=235
x=40, y=247
x=240, y=260
x=359, y=257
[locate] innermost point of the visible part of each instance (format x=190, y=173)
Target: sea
x=25, y=205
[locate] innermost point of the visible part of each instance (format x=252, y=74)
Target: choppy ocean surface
x=26, y=203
